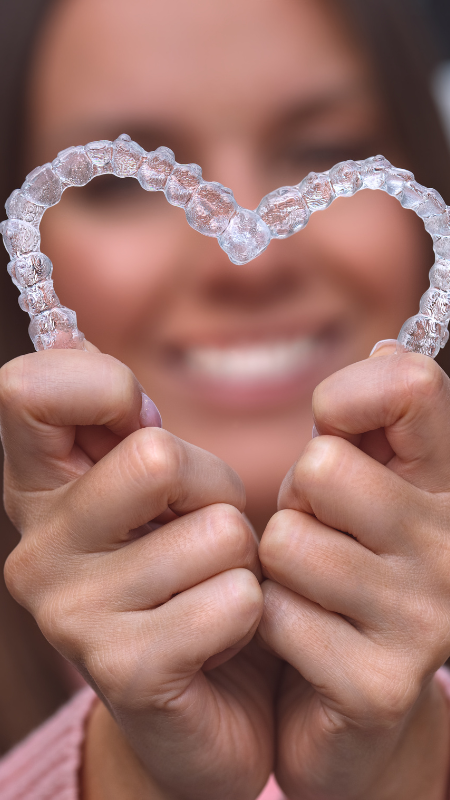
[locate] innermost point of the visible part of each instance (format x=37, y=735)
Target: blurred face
x=258, y=92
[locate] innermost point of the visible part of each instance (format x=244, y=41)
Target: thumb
x=395, y=405
x=64, y=410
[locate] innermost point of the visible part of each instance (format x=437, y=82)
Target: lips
x=251, y=375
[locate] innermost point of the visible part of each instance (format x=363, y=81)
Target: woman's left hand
x=357, y=600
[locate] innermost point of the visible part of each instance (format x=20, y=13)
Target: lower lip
x=258, y=393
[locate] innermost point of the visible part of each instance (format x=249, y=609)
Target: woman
x=231, y=356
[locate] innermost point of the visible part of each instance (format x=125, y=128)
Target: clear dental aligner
x=212, y=210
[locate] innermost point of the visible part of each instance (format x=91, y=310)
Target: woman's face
x=258, y=92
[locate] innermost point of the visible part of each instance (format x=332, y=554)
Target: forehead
x=192, y=62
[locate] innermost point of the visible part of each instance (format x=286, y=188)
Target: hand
x=156, y=620
x=357, y=599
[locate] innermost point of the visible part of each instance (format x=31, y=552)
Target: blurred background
x=437, y=13
x=32, y=681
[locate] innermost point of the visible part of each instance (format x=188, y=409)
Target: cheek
x=379, y=249
x=111, y=270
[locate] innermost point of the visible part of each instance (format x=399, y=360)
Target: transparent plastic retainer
x=211, y=209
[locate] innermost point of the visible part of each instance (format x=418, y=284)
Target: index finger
x=406, y=394
x=148, y=472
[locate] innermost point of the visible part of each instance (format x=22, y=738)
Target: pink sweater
x=46, y=765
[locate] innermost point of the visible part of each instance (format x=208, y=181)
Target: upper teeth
x=251, y=361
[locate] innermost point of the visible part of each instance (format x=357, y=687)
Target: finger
x=347, y=490
x=43, y=396
x=226, y=655
x=170, y=645
x=182, y=554
x=209, y=618
x=148, y=472
x=332, y=656
x=314, y=641
x=406, y=394
x=327, y=567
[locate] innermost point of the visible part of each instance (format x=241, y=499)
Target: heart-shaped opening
x=212, y=210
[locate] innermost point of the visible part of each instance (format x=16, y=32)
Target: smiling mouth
x=252, y=363
x=263, y=373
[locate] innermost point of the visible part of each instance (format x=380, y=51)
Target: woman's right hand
x=142, y=614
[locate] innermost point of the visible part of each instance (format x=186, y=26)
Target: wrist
x=420, y=764
x=110, y=768
x=409, y=761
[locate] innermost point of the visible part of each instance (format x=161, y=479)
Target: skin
x=212, y=677
x=146, y=287
x=363, y=617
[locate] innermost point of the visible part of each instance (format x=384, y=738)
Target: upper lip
x=306, y=324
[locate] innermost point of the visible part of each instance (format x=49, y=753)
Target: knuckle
x=14, y=576
x=424, y=378
x=322, y=459
x=390, y=699
x=421, y=617
x=228, y=524
x=56, y=621
x=428, y=624
x=56, y=602
x=22, y=572
x=243, y=592
x=28, y=379
x=379, y=700
x=378, y=706
x=69, y=621
x=155, y=455
x=51, y=609
x=14, y=383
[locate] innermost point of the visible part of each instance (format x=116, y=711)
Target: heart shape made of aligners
x=212, y=210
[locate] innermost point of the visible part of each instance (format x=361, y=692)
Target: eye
x=110, y=194
x=301, y=158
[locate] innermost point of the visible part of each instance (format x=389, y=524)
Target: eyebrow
x=152, y=133
x=144, y=132
x=324, y=103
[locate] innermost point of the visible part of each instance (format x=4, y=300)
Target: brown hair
x=31, y=678
x=395, y=37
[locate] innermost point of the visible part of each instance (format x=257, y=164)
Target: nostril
x=253, y=289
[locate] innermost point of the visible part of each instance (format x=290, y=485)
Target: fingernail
x=382, y=343
x=149, y=416
x=315, y=432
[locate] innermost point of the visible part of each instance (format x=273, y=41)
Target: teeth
x=251, y=362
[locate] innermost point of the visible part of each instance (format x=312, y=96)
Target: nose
x=237, y=164
x=269, y=278
x=254, y=287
